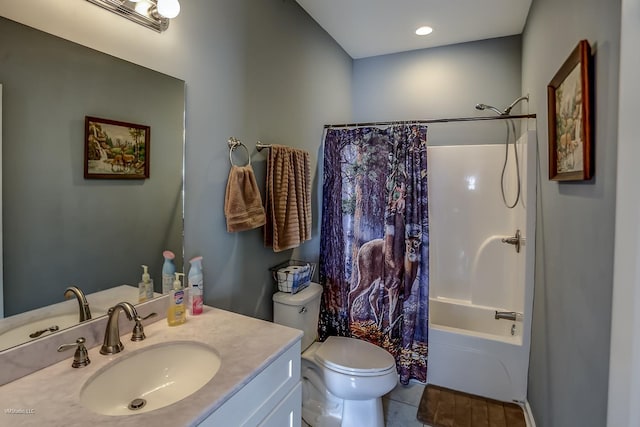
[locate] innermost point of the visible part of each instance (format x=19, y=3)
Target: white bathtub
x=471, y=351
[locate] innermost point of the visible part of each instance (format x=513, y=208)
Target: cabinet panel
x=255, y=401
x=288, y=413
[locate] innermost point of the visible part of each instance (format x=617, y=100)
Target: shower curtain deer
x=374, y=255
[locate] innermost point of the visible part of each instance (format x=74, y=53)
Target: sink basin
x=20, y=334
x=151, y=378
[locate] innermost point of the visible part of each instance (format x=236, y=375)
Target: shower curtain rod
x=454, y=119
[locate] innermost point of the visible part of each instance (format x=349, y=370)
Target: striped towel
x=287, y=198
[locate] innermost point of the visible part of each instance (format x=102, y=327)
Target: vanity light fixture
x=153, y=14
x=423, y=31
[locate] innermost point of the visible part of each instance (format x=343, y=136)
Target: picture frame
x=569, y=101
x=115, y=149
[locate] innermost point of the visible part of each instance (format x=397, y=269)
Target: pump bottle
x=145, y=287
x=176, y=313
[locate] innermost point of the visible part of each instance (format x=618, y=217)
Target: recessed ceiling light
x=423, y=31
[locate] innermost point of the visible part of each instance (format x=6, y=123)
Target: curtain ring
x=233, y=144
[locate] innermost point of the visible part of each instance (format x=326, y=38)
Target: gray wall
x=275, y=76
x=568, y=371
x=442, y=82
x=59, y=228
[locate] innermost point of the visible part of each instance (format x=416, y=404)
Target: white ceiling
x=376, y=27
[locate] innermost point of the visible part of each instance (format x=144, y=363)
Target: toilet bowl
x=343, y=379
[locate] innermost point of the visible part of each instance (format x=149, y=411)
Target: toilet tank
x=300, y=310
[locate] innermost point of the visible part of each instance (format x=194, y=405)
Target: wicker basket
x=293, y=276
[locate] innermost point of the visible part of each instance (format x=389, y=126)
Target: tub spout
x=508, y=315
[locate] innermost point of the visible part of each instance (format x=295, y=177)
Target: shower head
x=488, y=107
x=513, y=104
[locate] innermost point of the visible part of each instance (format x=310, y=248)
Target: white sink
x=20, y=334
x=150, y=378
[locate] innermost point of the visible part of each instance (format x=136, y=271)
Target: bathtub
x=471, y=351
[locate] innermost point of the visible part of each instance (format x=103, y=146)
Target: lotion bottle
x=145, y=287
x=196, y=286
x=176, y=313
x=168, y=270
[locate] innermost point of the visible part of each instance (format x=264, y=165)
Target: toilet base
x=358, y=413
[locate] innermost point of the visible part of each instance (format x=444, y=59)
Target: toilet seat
x=355, y=357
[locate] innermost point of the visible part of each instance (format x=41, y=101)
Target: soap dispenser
x=176, y=313
x=145, y=287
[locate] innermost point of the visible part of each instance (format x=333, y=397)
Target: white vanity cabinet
x=273, y=398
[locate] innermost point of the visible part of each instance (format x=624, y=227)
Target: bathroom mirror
x=60, y=229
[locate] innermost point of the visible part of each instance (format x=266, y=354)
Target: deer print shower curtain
x=374, y=256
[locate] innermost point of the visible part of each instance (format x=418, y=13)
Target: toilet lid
x=354, y=356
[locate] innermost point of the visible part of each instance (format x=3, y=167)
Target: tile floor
x=401, y=406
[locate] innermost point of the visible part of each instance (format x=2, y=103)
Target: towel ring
x=235, y=143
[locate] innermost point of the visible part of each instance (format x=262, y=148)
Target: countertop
x=51, y=396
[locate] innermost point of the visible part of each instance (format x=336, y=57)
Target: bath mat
x=442, y=407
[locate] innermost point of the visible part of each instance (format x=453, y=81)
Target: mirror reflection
x=60, y=229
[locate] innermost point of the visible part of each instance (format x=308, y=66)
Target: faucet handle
x=138, y=330
x=81, y=356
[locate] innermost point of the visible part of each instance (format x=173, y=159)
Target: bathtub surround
x=375, y=241
x=474, y=273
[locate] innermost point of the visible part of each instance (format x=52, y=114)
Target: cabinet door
x=288, y=413
x=258, y=399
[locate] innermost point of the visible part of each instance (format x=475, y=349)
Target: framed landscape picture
x=115, y=150
x=570, y=118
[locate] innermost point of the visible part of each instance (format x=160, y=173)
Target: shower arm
x=507, y=110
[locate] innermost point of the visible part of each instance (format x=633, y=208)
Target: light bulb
x=423, y=31
x=142, y=7
x=168, y=8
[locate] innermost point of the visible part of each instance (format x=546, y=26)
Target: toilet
x=343, y=379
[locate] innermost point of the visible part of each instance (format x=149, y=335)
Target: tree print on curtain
x=374, y=256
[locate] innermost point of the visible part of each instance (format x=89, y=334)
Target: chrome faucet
x=81, y=356
x=516, y=240
x=85, y=312
x=508, y=315
x=112, y=343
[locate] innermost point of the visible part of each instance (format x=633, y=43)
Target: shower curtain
x=374, y=250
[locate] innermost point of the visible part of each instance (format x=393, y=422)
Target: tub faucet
x=85, y=312
x=508, y=315
x=112, y=343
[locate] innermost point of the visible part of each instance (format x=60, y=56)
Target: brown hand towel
x=287, y=198
x=242, y=202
